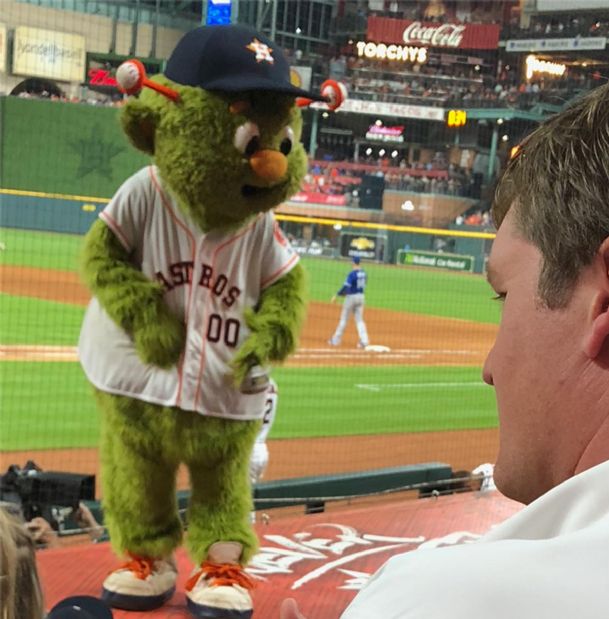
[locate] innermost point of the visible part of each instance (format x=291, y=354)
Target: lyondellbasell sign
x=447, y=36
x=49, y=54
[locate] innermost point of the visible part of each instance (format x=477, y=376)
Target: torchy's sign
x=447, y=36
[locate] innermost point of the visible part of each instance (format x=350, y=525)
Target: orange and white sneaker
x=140, y=584
x=220, y=589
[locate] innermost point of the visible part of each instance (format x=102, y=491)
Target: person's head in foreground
x=550, y=370
x=549, y=265
x=20, y=592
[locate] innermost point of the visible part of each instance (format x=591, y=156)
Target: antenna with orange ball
x=334, y=92
x=131, y=78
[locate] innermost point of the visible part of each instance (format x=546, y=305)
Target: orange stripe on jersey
x=167, y=205
x=114, y=226
x=276, y=274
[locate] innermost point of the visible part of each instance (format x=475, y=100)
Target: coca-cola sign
x=447, y=36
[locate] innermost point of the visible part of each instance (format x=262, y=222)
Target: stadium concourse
x=321, y=560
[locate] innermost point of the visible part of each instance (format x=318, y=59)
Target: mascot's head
x=222, y=124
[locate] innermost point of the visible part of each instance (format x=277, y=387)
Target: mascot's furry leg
x=140, y=507
x=220, y=535
x=142, y=446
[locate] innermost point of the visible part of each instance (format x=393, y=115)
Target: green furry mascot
x=196, y=291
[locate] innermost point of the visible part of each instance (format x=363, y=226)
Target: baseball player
x=485, y=473
x=260, y=454
x=353, y=291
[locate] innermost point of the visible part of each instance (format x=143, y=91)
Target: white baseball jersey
x=209, y=280
x=259, y=459
x=270, y=410
x=487, y=469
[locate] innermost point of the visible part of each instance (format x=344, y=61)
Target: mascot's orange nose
x=270, y=165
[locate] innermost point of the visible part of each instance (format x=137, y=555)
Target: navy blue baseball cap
x=80, y=607
x=356, y=259
x=232, y=58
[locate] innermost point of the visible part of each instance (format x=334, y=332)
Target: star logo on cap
x=262, y=51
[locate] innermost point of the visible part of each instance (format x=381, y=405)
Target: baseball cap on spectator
x=80, y=607
x=232, y=58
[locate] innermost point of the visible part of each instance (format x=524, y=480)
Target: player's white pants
x=354, y=303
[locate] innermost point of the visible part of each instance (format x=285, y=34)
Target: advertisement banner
x=101, y=70
x=453, y=262
x=398, y=110
x=49, y=54
x=2, y=48
x=369, y=246
x=429, y=34
x=555, y=45
x=581, y=5
x=301, y=77
x=316, y=197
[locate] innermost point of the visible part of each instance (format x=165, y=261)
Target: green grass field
x=313, y=402
x=50, y=405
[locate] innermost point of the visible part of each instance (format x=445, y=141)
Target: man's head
x=557, y=187
x=549, y=265
x=356, y=260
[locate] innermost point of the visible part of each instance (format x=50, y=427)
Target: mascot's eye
x=288, y=139
x=247, y=139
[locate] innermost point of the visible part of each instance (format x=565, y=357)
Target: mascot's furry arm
x=132, y=301
x=275, y=325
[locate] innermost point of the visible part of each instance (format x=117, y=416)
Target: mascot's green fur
x=221, y=188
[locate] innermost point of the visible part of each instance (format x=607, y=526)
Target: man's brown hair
x=558, y=186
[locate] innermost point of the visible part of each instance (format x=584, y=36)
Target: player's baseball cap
x=232, y=58
x=356, y=259
x=80, y=607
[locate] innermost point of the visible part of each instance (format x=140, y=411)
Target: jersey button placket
x=195, y=341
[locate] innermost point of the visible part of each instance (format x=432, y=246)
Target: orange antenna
x=334, y=93
x=131, y=78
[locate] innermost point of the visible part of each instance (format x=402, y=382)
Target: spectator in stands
x=20, y=591
x=20, y=588
x=46, y=537
x=549, y=366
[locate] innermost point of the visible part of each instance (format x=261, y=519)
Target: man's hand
x=289, y=610
x=42, y=532
x=85, y=520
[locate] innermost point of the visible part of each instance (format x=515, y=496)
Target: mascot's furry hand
x=274, y=327
x=159, y=337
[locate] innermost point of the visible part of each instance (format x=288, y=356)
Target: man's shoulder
x=512, y=578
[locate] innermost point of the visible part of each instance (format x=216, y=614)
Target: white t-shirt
x=549, y=561
x=209, y=280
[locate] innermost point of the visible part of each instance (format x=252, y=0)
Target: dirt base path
x=463, y=450
x=412, y=339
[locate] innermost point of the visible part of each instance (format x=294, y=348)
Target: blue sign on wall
x=218, y=12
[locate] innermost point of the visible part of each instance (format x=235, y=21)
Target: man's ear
x=598, y=330
x=139, y=123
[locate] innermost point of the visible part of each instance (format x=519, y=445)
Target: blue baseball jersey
x=354, y=284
